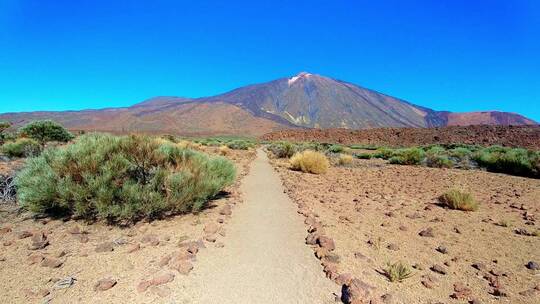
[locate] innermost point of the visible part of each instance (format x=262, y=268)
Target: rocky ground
x=512, y=136
x=368, y=214
x=67, y=261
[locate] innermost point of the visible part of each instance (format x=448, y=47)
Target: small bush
x=439, y=161
x=3, y=127
x=455, y=199
x=409, y=156
x=310, y=161
x=517, y=161
x=121, y=179
x=345, y=159
x=397, y=272
x=22, y=147
x=335, y=149
x=460, y=153
x=364, y=155
x=384, y=153
x=363, y=147
x=282, y=150
x=239, y=145
x=44, y=131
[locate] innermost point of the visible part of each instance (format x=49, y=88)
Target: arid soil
x=512, y=136
x=377, y=213
x=67, y=261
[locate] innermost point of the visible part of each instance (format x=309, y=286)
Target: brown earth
x=513, y=136
x=145, y=263
x=374, y=213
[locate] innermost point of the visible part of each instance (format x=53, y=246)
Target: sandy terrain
x=374, y=212
x=140, y=254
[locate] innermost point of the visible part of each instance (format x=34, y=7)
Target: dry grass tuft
x=224, y=150
x=456, y=199
x=345, y=159
x=310, y=162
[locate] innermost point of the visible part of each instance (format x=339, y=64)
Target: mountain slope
x=302, y=101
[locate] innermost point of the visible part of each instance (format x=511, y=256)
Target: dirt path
x=264, y=259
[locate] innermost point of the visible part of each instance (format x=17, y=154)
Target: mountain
x=302, y=101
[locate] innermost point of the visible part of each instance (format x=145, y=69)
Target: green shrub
x=460, y=153
x=335, y=149
x=397, y=272
x=438, y=161
x=455, y=199
x=3, y=127
x=46, y=130
x=409, y=156
x=282, y=149
x=364, y=155
x=363, y=147
x=384, y=153
x=22, y=147
x=121, y=179
x=516, y=161
x=239, y=145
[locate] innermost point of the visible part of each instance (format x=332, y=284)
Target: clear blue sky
x=452, y=55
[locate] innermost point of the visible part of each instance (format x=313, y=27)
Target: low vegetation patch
x=44, y=131
x=282, y=149
x=310, y=162
x=409, y=156
x=397, y=272
x=121, y=179
x=21, y=147
x=459, y=200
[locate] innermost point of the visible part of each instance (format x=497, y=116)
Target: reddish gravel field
x=512, y=136
x=372, y=213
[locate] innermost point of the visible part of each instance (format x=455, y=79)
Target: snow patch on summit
x=299, y=76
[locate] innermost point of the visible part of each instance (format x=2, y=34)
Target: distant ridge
x=302, y=101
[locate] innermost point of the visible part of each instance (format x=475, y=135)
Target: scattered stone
x=356, y=291
x=226, y=210
x=105, y=247
x=64, y=283
x=331, y=258
x=182, y=266
x=211, y=228
x=24, y=234
x=219, y=245
x=533, y=265
x=442, y=249
x=83, y=238
x=403, y=228
x=523, y=231
x=393, y=247
x=321, y=252
x=162, y=291
x=327, y=243
x=428, y=232
x=331, y=270
x=164, y=260
x=344, y=278
x=104, y=284
x=438, y=269
x=51, y=262
x=74, y=230
x=5, y=230
x=479, y=266
x=499, y=292
x=39, y=241
x=150, y=239
x=210, y=238
x=132, y=248
x=429, y=281
x=461, y=291
x=312, y=238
